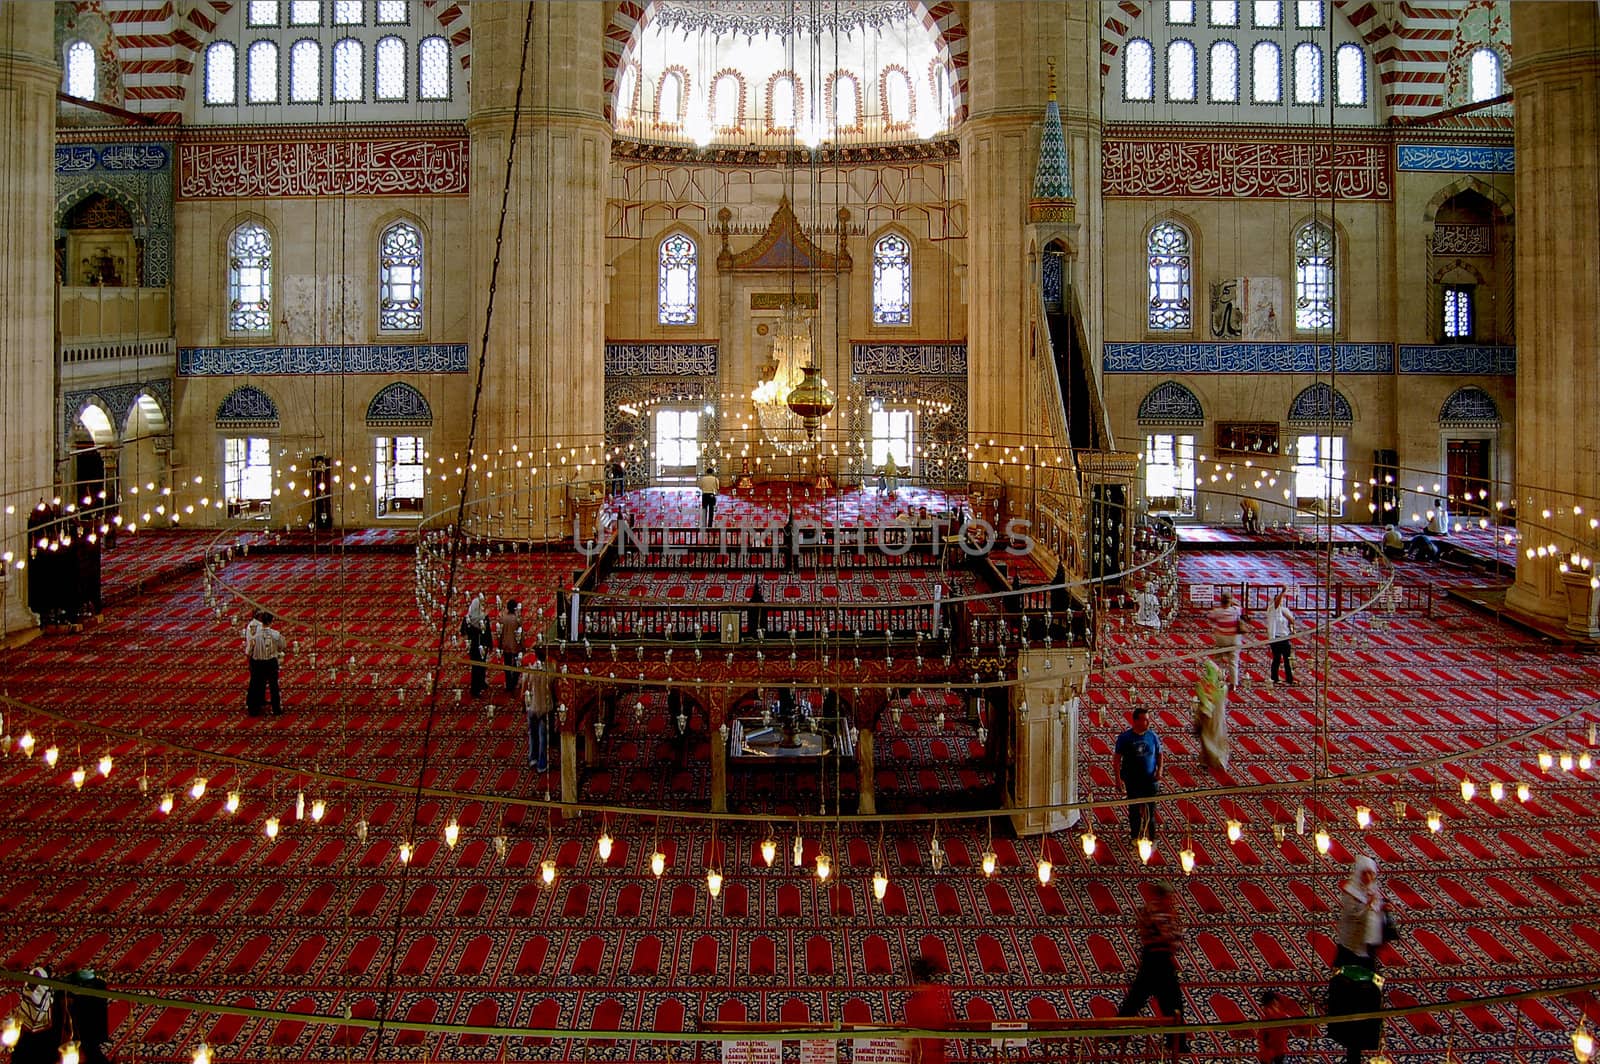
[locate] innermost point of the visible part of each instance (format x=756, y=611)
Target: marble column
x=544, y=381
x=29, y=76
x=1555, y=75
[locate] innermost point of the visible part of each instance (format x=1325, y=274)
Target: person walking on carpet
x=1356, y=986
x=476, y=629
x=1225, y=619
x=931, y=1008
x=537, y=698
x=709, y=486
x=1280, y=625
x=1138, y=754
x=263, y=646
x=1160, y=929
x=508, y=635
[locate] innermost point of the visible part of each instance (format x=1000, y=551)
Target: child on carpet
x=1272, y=1043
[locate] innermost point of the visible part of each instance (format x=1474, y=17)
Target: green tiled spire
x=1053, y=180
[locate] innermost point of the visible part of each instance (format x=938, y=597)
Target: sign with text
x=882, y=1051
x=751, y=1051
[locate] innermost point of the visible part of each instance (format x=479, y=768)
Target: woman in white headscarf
x=1360, y=916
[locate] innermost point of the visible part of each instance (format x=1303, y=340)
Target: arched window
x=726, y=96
x=1180, y=71
x=305, y=72
x=783, y=102
x=940, y=79
x=1307, y=73
x=348, y=58
x=400, y=279
x=80, y=70
x=221, y=76
x=846, y=102
x=1313, y=277
x=1483, y=75
x=389, y=69
x=1224, y=72
x=678, y=286
x=1171, y=278
x=671, y=96
x=1139, y=70
x=261, y=72
x=1350, y=73
x=1266, y=73
x=899, y=105
x=433, y=69
x=891, y=281
x=250, y=280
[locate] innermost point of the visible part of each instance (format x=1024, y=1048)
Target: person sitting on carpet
x=1423, y=548
x=1394, y=544
x=1148, y=614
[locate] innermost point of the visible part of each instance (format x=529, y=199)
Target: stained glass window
x=1458, y=312
x=262, y=13
x=1307, y=73
x=1266, y=74
x=221, y=77
x=389, y=69
x=1139, y=71
x=1224, y=72
x=1224, y=12
x=1266, y=13
x=678, y=287
x=261, y=63
x=433, y=69
x=347, y=12
x=891, y=281
x=1483, y=75
x=305, y=72
x=250, y=280
x=392, y=13
x=400, y=279
x=1313, y=277
x=1171, y=298
x=1180, y=71
x=1350, y=67
x=80, y=70
x=305, y=12
x=347, y=61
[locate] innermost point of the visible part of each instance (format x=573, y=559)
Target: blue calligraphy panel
x=1248, y=358
x=1456, y=158
x=327, y=359
x=653, y=360
x=1474, y=359
x=936, y=360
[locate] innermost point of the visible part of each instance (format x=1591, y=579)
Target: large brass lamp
x=811, y=400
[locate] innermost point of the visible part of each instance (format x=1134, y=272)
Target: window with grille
x=677, y=443
x=678, y=293
x=1458, y=312
x=1171, y=295
x=80, y=70
x=892, y=438
x=1313, y=278
x=891, y=281
x=250, y=280
x=402, y=475
x=400, y=279
x=1169, y=472
x=247, y=475
x=1319, y=474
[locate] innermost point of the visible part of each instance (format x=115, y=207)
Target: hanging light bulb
x=232, y=803
x=989, y=862
x=769, y=850
x=10, y=1032
x=799, y=850
x=1584, y=761
x=1147, y=848
x=197, y=789
x=166, y=803
x=1497, y=791
x=603, y=845
x=499, y=846
x=1524, y=792
x=1363, y=816
x=1088, y=842
x=1324, y=840
x=202, y=1054
x=1566, y=759
x=52, y=754
x=1468, y=788
x=713, y=882
x=71, y=1053
x=271, y=827
x=1045, y=870
x=405, y=853
x=105, y=765
x=658, y=864
x=1235, y=830
x=547, y=871
x=319, y=809
x=824, y=867
x=300, y=805
x=79, y=774
x=25, y=744
x=1546, y=759
x=452, y=833
x=880, y=884
x=361, y=830
x=1435, y=821
x=1582, y=1043
x=1186, y=860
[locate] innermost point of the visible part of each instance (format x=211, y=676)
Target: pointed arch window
x=671, y=97
x=1313, y=277
x=400, y=279
x=80, y=70
x=305, y=72
x=348, y=58
x=433, y=69
x=1171, y=280
x=899, y=105
x=221, y=75
x=1139, y=71
x=261, y=72
x=678, y=281
x=1483, y=75
x=1180, y=71
x=727, y=99
x=389, y=69
x=1350, y=75
x=846, y=102
x=250, y=280
x=1224, y=72
x=1266, y=73
x=891, y=281
x=628, y=93
x=1307, y=73
x=783, y=102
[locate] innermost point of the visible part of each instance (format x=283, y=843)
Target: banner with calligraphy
x=1246, y=170
x=298, y=168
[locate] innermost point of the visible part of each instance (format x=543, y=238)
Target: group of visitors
x=507, y=634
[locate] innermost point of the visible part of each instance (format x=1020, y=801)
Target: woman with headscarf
x=1356, y=987
x=1211, y=715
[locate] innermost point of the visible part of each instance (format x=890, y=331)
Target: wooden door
x=1467, y=470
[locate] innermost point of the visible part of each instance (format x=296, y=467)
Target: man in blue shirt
x=1138, y=753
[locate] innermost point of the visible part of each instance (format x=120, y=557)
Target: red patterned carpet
x=201, y=905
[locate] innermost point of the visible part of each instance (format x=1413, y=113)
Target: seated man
x=1250, y=515
x=1394, y=545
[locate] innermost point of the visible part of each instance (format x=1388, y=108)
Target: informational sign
x=819, y=1051
x=882, y=1051
x=1010, y=1025
x=751, y=1051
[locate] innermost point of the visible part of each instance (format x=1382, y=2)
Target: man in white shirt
x=263, y=646
x=1226, y=636
x=709, y=486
